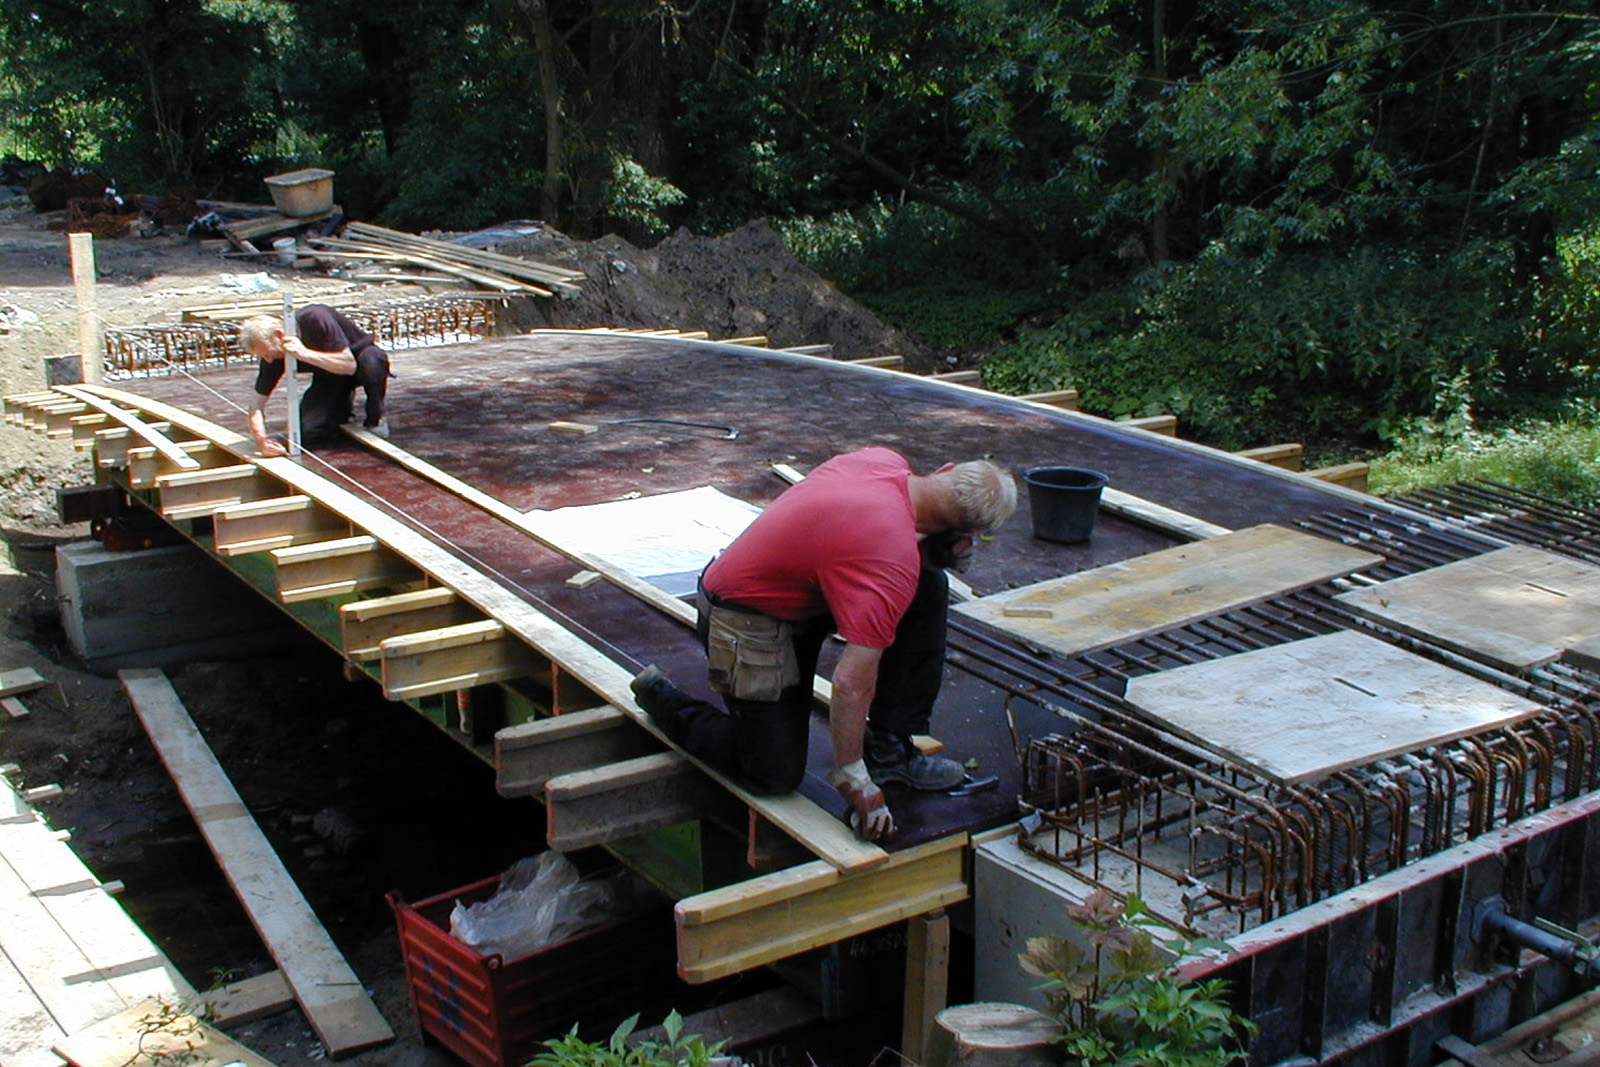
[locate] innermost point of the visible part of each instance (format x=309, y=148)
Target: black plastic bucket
x=1064, y=501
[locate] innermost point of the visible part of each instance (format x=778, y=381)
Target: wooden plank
x=1157, y=516
x=927, y=981
x=1137, y=597
x=21, y=680
x=248, y=999
x=454, y=657
x=331, y=995
x=767, y=918
x=365, y=624
x=279, y=522
x=27, y=1029
x=1516, y=608
x=1056, y=398
x=619, y=800
x=528, y=755
x=146, y=432
x=794, y=814
x=1286, y=457
x=192, y=494
x=973, y=378
x=1301, y=711
x=337, y=567
x=155, y=1032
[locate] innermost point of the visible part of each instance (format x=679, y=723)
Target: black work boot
x=891, y=758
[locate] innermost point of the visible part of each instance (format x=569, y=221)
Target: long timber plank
x=794, y=814
x=140, y=428
x=331, y=995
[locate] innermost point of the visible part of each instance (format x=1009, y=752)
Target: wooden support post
x=196, y=494
x=886, y=362
x=927, y=980
x=264, y=525
x=454, y=657
x=91, y=331
x=1288, y=457
x=528, y=755
x=621, y=800
x=366, y=624
x=1056, y=398
x=763, y=919
x=1162, y=424
x=338, y=567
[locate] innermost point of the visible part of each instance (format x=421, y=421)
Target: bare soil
x=416, y=814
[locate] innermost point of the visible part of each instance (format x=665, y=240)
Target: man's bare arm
x=340, y=362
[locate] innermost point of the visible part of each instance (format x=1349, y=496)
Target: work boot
x=896, y=759
x=379, y=429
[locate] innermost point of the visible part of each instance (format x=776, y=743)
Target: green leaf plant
x=1118, y=1000
x=676, y=1049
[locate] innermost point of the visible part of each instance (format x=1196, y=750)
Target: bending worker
x=341, y=356
x=856, y=548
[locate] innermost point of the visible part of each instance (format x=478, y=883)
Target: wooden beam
x=1148, y=513
x=794, y=814
x=886, y=362
x=366, y=624
x=621, y=800
x=145, y=463
x=196, y=494
x=142, y=429
x=973, y=378
x=454, y=657
x=84, y=427
x=1056, y=398
x=1162, y=424
x=825, y=351
x=341, y=566
x=755, y=340
x=528, y=755
x=58, y=420
x=1287, y=457
x=264, y=525
x=776, y=915
x=154, y=1032
x=1349, y=475
x=336, y=1005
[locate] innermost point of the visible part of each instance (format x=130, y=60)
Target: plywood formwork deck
x=481, y=413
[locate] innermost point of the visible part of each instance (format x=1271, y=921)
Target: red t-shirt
x=842, y=541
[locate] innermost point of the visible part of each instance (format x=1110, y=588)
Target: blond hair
x=257, y=331
x=983, y=494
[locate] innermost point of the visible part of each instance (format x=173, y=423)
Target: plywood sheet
x=1301, y=711
x=1147, y=594
x=1514, y=607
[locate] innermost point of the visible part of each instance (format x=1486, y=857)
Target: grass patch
x=1556, y=459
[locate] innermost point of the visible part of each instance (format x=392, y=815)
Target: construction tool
x=728, y=432
x=971, y=786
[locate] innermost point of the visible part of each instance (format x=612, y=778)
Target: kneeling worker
x=855, y=548
x=341, y=356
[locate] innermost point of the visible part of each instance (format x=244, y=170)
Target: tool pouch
x=751, y=656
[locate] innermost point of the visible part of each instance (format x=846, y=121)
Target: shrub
x=1555, y=459
x=678, y=1050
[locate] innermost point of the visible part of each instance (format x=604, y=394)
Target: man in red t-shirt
x=847, y=551
x=341, y=356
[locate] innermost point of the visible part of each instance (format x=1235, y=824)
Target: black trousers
x=330, y=401
x=762, y=744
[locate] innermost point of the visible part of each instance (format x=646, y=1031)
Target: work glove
x=951, y=549
x=869, y=812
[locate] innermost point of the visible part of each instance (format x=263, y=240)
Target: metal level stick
x=291, y=390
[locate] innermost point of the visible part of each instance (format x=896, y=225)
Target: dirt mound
x=741, y=284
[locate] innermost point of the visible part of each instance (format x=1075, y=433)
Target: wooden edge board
x=794, y=814
x=335, y=1003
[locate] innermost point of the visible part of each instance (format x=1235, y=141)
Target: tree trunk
x=993, y=1035
x=550, y=97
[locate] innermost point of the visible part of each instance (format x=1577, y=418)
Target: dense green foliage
x=1326, y=219
x=678, y=1049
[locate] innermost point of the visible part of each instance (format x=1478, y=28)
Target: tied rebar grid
x=159, y=351
x=1215, y=846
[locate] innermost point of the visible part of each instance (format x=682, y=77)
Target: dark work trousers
x=762, y=744
x=330, y=400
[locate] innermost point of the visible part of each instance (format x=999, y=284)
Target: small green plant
x=169, y=1034
x=1118, y=1001
x=677, y=1050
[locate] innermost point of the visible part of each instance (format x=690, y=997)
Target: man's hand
x=952, y=549
x=268, y=447
x=869, y=812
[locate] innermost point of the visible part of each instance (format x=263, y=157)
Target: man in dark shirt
x=341, y=356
